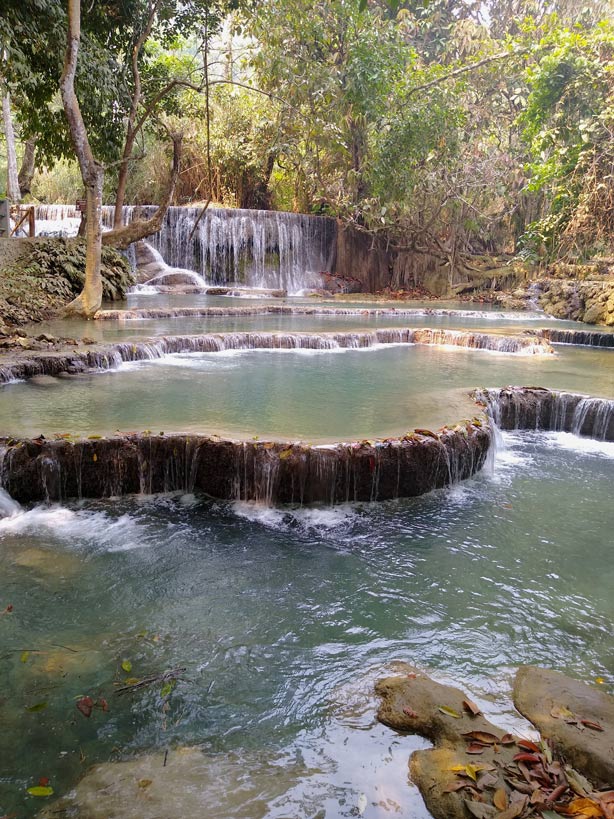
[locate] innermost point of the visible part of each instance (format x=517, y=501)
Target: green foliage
x=60, y=263
x=567, y=124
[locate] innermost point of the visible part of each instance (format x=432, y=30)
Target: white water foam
x=8, y=507
x=314, y=518
x=578, y=444
x=74, y=526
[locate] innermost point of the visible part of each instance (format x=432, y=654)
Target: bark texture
x=92, y=173
x=12, y=182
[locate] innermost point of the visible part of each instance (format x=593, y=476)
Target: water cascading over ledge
x=582, y=338
x=256, y=248
x=268, y=472
x=537, y=409
x=109, y=356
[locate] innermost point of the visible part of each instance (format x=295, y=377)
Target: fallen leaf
x=127, y=666
x=527, y=745
x=39, y=706
x=514, y=810
x=43, y=781
x=481, y=736
x=599, y=680
x=455, y=786
x=578, y=783
x=480, y=809
x=590, y=724
x=475, y=748
x=144, y=783
x=472, y=708
x=449, y=712
x=532, y=759
x=85, y=705
x=539, y=797
x=409, y=712
x=24, y=656
x=103, y=704
x=507, y=739
x=487, y=780
x=38, y=790
x=500, y=800
x=583, y=807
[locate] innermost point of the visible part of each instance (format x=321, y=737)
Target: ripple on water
x=284, y=617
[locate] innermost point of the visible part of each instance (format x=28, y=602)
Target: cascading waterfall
x=307, y=310
x=531, y=408
x=584, y=338
x=255, y=248
x=111, y=356
x=267, y=472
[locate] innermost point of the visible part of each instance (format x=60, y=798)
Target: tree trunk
x=141, y=228
x=12, y=182
x=92, y=173
x=28, y=166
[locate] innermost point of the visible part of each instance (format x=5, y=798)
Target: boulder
x=563, y=710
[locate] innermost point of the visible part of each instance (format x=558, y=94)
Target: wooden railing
x=23, y=215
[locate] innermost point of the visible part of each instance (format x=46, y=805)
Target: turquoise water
x=283, y=619
x=302, y=395
x=141, y=328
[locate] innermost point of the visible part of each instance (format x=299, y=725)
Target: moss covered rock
x=40, y=276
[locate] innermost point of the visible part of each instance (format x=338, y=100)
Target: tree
x=92, y=173
x=12, y=181
x=568, y=125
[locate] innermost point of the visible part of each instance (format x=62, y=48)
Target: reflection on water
x=284, y=618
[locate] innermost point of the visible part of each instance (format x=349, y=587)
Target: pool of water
x=494, y=319
x=283, y=618
x=302, y=395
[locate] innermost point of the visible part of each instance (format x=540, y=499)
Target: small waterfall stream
x=255, y=248
x=528, y=408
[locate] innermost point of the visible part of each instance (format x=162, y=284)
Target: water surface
x=283, y=618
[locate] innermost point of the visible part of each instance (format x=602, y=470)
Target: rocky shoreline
x=476, y=769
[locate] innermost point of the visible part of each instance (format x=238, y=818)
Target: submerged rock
x=184, y=783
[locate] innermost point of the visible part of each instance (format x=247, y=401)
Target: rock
x=88, y=340
x=183, y=782
x=540, y=694
x=26, y=343
x=46, y=337
x=595, y=314
x=475, y=770
x=44, y=380
x=417, y=693
x=417, y=704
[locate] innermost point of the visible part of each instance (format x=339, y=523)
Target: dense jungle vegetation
x=449, y=126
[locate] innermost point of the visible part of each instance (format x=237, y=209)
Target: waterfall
x=585, y=338
x=110, y=356
x=267, y=472
x=310, y=310
x=255, y=248
x=532, y=408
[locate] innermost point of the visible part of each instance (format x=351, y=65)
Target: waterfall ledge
x=42, y=470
